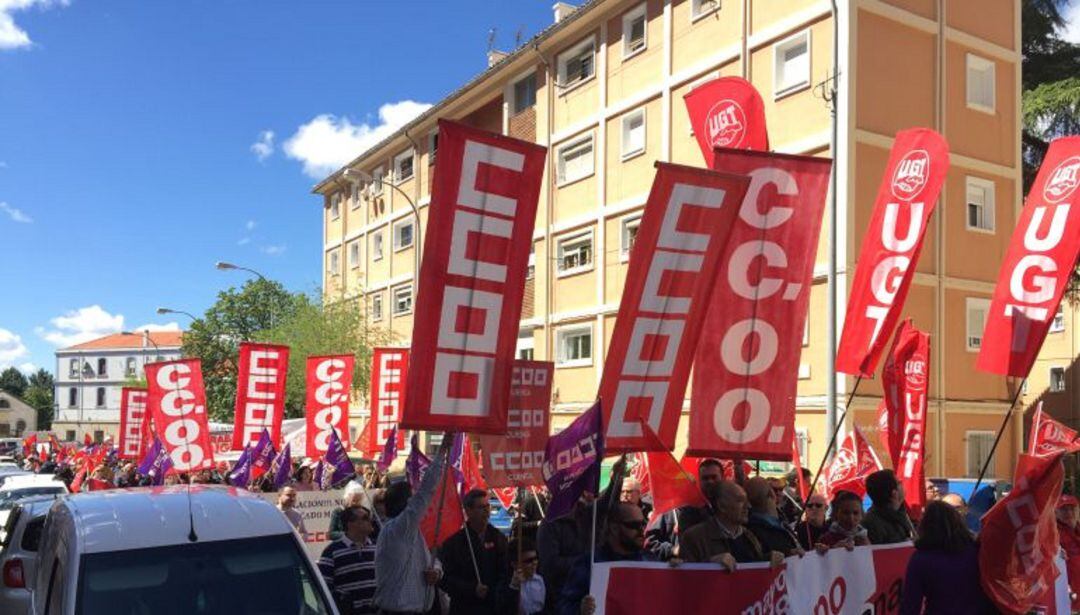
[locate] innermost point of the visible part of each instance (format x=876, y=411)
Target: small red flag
x=854, y=461
x=672, y=486
x=452, y=516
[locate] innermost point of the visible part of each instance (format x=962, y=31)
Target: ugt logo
x=1063, y=180
x=726, y=124
x=910, y=175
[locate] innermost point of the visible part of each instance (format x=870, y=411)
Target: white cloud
x=250, y=225
x=27, y=368
x=327, y=142
x=81, y=325
x=16, y=214
x=152, y=327
x=1071, y=31
x=3, y=164
x=11, y=35
x=243, y=241
x=264, y=146
x=273, y=250
x=11, y=348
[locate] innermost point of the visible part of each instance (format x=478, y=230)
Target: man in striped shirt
x=348, y=564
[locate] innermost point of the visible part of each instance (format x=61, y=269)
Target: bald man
x=764, y=520
x=723, y=539
x=631, y=494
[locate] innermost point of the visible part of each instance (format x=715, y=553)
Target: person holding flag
x=476, y=561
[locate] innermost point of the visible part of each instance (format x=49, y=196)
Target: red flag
x=906, y=380
x=639, y=471
x=672, y=486
x=472, y=280
x=796, y=460
x=260, y=393
x=890, y=250
x=96, y=484
x=329, y=381
x=516, y=458
x=77, y=482
x=177, y=402
x=747, y=363
x=727, y=112
x=132, y=417
x=30, y=443
x=886, y=429
x=854, y=461
x=87, y=440
x=1049, y=437
x=673, y=266
x=361, y=444
x=470, y=469
x=453, y=517
x=505, y=495
x=1019, y=536
x=389, y=368
x=1037, y=267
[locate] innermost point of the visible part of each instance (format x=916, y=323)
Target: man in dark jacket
x=886, y=522
x=475, y=547
x=724, y=539
x=764, y=521
x=662, y=537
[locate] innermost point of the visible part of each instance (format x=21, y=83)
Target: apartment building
x=89, y=377
x=1055, y=378
x=602, y=88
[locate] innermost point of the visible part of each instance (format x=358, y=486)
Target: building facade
x=602, y=88
x=1055, y=378
x=89, y=377
x=16, y=416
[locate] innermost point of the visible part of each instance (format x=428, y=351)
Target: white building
x=89, y=377
x=16, y=416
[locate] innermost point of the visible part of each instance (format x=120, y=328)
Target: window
x=575, y=160
x=99, y=436
x=630, y=226
x=73, y=368
x=376, y=307
x=102, y=368
x=376, y=181
x=73, y=397
x=433, y=146
x=402, y=300
x=403, y=234
x=354, y=196
x=806, y=330
x=575, y=346
x=802, y=440
x=1057, y=379
x=525, y=345
x=20, y=427
x=530, y=271
x=403, y=166
x=354, y=254
x=129, y=367
x=633, y=134
x=334, y=264
x=1058, y=324
x=575, y=253
x=577, y=65
x=980, y=204
x=700, y=8
x=99, y=399
x=791, y=64
x=980, y=83
x=335, y=206
x=804, y=371
x=979, y=444
x=525, y=354
x=976, y=321
x=524, y=93
x=633, y=31
x=4, y=403
x=376, y=246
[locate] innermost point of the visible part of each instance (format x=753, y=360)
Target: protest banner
x=472, y=280
x=177, y=402
x=260, y=393
x=727, y=112
x=746, y=366
x=316, y=507
x=1036, y=269
x=132, y=417
x=515, y=460
x=906, y=380
x=329, y=381
x=890, y=251
x=572, y=461
x=684, y=229
x=389, y=369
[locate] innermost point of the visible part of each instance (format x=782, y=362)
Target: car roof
x=24, y=481
x=123, y=519
x=36, y=504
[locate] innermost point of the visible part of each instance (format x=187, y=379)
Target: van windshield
x=267, y=575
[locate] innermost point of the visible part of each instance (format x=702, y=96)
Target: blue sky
x=140, y=142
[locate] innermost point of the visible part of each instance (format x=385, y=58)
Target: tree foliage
x=13, y=381
x=40, y=394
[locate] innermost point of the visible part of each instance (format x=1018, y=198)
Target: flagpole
x=443, y=448
x=835, y=433
x=538, y=504
x=997, y=440
x=468, y=539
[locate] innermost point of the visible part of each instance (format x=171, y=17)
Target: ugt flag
x=572, y=462
x=854, y=461
x=727, y=112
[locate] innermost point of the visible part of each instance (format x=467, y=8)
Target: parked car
x=203, y=549
x=19, y=552
x=21, y=486
x=7, y=472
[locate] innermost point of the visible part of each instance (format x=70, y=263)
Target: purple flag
x=389, y=451
x=572, y=461
x=281, y=467
x=416, y=463
x=338, y=459
x=241, y=472
x=148, y=459
x=156, y=463
x=261, y=455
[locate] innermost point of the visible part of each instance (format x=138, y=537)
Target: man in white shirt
x=286, y=503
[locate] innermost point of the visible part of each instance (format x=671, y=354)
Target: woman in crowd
x=813, y=526
x=846, y=528
x=943, y=574
x=304, y=479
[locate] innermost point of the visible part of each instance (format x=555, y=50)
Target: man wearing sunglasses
x=813, y=526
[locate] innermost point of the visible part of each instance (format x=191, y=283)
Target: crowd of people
x=378, y=561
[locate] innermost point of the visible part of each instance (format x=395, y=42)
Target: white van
x=160, y=551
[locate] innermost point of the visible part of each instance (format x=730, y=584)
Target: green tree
x=40, y=394
x=1051, y=96
x=13, y=381
x=236, y=316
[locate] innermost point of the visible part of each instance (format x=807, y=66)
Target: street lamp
x=352, y=176
x=224, y=266
x=165, y=310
